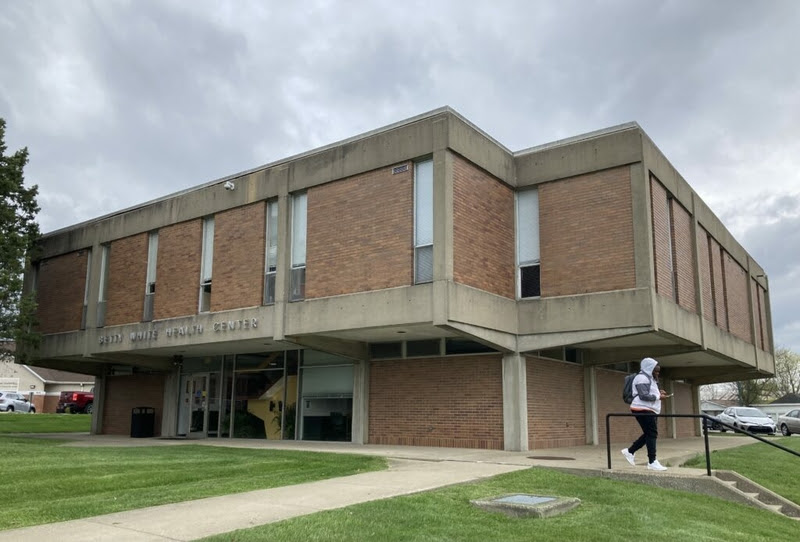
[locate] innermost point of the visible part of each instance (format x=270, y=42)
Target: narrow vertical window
x=150, y=281
x=105, y=254
x=528, y=243
x=298, y=277
x=206, y=264
x=423, y=221
x=673, y=268
x=86, y=289
x=271, y=260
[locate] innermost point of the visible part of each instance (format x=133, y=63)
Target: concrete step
x=759, y=496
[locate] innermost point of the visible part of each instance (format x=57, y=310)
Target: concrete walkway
x=411, y=470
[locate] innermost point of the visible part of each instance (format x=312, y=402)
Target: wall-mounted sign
x=152, y=333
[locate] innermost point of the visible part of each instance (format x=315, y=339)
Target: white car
x=747, y=418
x=11, y=401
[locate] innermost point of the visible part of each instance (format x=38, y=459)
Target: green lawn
x=55, y=483
x=610, y=511
x=44, y=423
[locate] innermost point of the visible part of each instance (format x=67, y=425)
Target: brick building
x=419, y=284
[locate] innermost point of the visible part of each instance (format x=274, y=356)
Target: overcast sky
x=121, y=102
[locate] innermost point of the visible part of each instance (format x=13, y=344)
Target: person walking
x=646, y=403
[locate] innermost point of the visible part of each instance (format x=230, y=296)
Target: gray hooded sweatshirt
x=646, y=395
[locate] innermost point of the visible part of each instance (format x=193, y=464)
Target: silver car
x=790, y=422
x=11, y=401
x=747, y=418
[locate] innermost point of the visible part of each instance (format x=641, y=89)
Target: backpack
x=627, y=388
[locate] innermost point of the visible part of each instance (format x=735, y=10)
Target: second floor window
x=298, y=277
x=271, y=260
x=150, y=281
x=105, y=254
x=529, y=282
x=206, y=264
x=423, y=221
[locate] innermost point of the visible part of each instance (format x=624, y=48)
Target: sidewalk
x=411, y=470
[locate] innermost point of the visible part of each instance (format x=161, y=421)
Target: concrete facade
x=632, y=264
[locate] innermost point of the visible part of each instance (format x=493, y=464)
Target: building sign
x=164, y=335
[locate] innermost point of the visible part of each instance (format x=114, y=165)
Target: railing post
x=608, y=439
x=705, y=437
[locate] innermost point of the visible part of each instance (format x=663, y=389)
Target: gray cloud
x=121, y=102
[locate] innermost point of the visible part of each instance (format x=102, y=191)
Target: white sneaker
x=655, y=465
x=628, y=456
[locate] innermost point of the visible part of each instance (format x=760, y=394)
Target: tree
x=18, y=235
x=764, y=390
x=787, y=372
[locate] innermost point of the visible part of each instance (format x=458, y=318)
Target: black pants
x=649, y=424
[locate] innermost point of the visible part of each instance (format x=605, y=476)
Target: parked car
x=713, y=422
x=747, y=418
x=75, y=402
x=790, y=422
x=11, y=401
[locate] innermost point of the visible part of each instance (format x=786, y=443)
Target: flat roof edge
x=411, y=120
x=581, y=137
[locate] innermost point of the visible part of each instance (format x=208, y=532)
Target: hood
x=647, y=365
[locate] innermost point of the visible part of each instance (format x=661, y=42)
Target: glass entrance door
x=199, y=401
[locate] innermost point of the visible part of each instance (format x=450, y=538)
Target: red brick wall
x=704, y=267
x=483, y=230
x=450, y=402
x=586, y=233
x=60, y=292
x=178, y=270
x=360, y=234
x=736, y=296
x=718, y=276
x=609, y=400
x=239, y=245
x=127, y=273
x=124, y=393
x=662, y=252
x=683, y=256
x=556, y=407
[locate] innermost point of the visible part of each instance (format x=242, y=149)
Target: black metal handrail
x=706, y=423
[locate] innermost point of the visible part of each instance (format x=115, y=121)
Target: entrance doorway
x=198, y=415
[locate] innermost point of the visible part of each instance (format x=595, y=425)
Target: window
x=529, y=282
x=298, y=278
x=150, y=281
x=423, y=221
x=271, y=261
x=86, y=289
x=673, y=269
x=206, y=264
x=105, y=254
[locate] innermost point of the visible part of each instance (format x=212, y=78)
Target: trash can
x=143, y=420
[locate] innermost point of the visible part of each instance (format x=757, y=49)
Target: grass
x=609, y=511
x=55, y=483
x=44, y=423
x=768, y=466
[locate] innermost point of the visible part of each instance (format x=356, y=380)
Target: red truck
x=75, y=402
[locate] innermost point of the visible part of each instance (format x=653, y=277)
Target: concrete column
x=282, y=272
x=442, y=222
x=171, y=402
x=98, y=405
x=515, y=403
x=360, y=432
x=590, y=404
x=672, y=423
